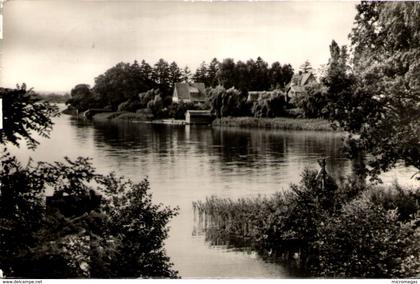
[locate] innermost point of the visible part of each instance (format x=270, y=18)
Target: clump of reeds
x=307, y=226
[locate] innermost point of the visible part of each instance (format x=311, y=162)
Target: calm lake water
x=186, y=163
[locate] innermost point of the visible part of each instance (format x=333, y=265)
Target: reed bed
x=319, y=228
x=284, y=123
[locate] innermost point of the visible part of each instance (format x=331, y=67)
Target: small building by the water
x=198, y=117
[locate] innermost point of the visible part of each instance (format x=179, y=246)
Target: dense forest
x=126, y=82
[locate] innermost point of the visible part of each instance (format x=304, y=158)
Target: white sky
x=54, y=45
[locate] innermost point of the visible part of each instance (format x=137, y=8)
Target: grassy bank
x=274, y=123
x=346, y=230
x=128, y=116
x=241, y=122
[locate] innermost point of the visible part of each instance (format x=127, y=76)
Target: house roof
x=305, y=78
x=300, y=79
x=182, y=91
x=193, y=91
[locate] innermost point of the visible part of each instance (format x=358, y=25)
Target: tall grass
x=284, y=123
x=330, y=230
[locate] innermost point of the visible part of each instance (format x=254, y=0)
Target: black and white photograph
x=209, y=140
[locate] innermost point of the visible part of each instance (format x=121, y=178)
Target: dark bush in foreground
x=366, y=240
x=123, y=237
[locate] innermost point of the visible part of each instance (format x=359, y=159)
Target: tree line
x=125, y=81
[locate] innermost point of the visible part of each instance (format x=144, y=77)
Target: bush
x=156, y=106
x=273, y=105
x=365, y=241
x=178, y=110
x=324, y=229
x=130, y=106
x=313, y=102
x=122, y=237
x=148, y=96
x=228, y=102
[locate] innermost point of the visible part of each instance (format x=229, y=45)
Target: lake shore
x=127, y=116
x=284, y=123
x=134, y=117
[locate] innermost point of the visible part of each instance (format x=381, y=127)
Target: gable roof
x=305, y=78
x=192, y=92
x=301, y=79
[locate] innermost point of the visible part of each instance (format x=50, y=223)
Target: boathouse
x=198, y=117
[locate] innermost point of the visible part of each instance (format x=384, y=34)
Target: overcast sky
x=54, y=45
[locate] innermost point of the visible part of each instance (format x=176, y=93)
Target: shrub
x=228, y=102
x=178, y=110
x=148, y=96
x=329, y=230
x=130, y=106
x=123, y=237
x=366, y=241
x=273, y=105
x=313, y=102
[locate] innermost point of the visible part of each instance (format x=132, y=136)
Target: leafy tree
x=161, y=75
x=82, y=97
x=260, y=76
x=272, y=105
x=24, y=115
x=146, y=70
x=228, y=102
x=314, y=101
x=287, y=73
x=213, y=69
x=156, y=106
x=276, y=75
x=131, y=105
x=175, y=75
x=120, y=83
x=122, y=238
x=201, y=74
x=380, y=105
x=186, y=75
x=242, y=77
x=226, y=73
x=280, y=75
x=148, y=96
